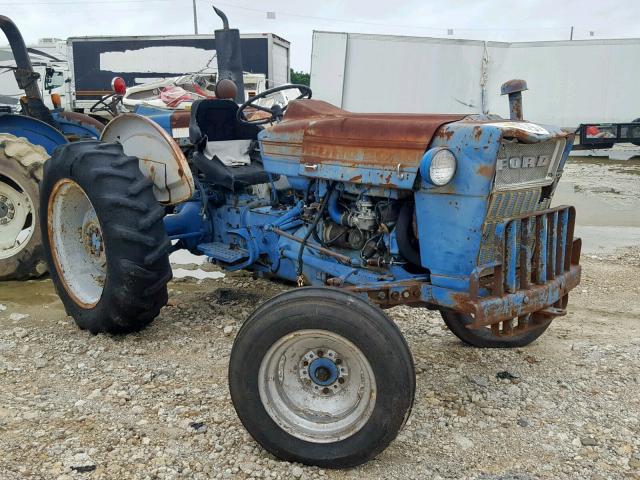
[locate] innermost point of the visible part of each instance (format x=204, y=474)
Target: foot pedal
x=223, y=252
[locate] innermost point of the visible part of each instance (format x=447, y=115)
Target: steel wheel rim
x=15, y=207
x=309, y=399
x=77, y=244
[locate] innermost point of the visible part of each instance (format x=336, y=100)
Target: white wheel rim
x=15, y=207
x=311, y=411
x=77, y=245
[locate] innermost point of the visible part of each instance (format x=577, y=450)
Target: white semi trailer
x=80, y=69
x=95, y=61
x=570, y=82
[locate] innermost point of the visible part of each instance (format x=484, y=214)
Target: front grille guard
x=538, y=264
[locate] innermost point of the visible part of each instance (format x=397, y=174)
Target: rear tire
x=21, y=250
x=322, y=377
x=106, y=245
x=485, y=337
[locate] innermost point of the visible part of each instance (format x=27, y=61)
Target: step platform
x=223, y=252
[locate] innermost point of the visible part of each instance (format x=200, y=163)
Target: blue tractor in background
x=27, y=139
x=361, y=211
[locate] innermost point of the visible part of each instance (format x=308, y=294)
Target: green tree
x=300, y=77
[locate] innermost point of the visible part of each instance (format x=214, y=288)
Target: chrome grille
x=503, y=205
x=523, y=164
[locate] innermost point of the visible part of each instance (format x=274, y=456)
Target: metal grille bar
x=537, y=265
x=543, y=252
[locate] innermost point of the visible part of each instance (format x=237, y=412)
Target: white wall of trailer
x=570, y=82
x=279, y=69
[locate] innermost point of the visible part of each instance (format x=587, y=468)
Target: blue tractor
x=361, y=211
x=26, y=141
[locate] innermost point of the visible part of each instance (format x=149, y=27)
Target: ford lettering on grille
x=524, y=162
x=522, y=165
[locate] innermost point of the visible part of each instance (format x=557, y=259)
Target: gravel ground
x=156, y=404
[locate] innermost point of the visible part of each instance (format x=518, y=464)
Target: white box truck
x=570, y=82
x=95, y=61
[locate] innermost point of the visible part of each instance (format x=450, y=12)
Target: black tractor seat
x=226, y=150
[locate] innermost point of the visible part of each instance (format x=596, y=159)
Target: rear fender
x=78, y=126
x=36, y=131
x=161, y=159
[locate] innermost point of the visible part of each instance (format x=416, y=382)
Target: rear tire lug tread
x=133, y=236
x=123, y=202
x=139, y=186
x=130, y=299
x=151, y=290
x=133, y=269
x=110, y=172
x=157, y=253
x=151, y=219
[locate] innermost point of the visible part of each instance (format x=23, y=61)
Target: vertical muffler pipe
x=229, y=55
x=514, y=89
x=26, y=78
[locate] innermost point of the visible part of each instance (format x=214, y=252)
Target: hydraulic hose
x=334, y=210
x=314, y=225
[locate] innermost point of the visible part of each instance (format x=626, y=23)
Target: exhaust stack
x=229, y=55
x=514, y=89
x=26, y=78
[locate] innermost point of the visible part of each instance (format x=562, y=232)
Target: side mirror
x=53, y=79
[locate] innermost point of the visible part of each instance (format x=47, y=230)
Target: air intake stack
x=514, y=89
x=229, y=55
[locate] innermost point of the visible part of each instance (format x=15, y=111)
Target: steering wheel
x=276, y=112
x=102, y=105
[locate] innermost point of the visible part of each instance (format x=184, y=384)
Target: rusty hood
x=331, y=135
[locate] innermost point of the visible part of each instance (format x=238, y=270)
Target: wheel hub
x=7, y=210
x=322, y=370
x=92, y=238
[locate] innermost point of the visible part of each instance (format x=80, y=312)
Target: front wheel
x=105, y=243
x=320, y=376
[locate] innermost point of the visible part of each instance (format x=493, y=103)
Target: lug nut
x=341, y=380
x=326, y=390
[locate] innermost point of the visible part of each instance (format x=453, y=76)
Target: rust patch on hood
x=378, y=140
x=486, y=171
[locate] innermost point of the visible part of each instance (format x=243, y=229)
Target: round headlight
x=442, y=167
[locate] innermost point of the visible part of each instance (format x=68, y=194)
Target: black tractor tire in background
x=637, y=120
x=135, y=242
x=290, y=315
x=484, y=337
x=21, y=168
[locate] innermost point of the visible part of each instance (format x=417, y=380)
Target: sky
x=501, y=20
